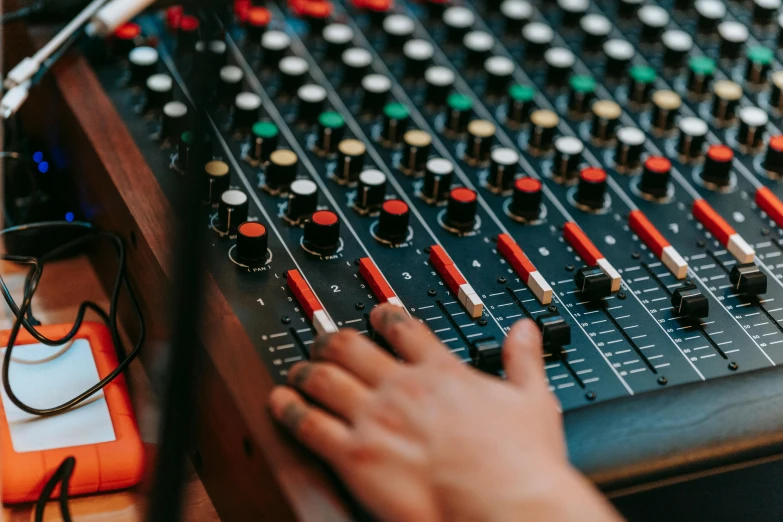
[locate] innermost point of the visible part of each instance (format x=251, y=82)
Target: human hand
x=430, y=438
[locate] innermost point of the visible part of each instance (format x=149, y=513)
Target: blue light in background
x=43, y=167
x=69, y=217
x=38, y=157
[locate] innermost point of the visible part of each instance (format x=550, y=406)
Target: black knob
x=188, y=150
x=274, y=45
x=678, y=45
x=232, y=210
x=256, y=23
x=356, y=64
x=520, y=104
x=503, y=168
x=628, y=8
x=595, y=28
x=174, y=121
x=461, y=211
x=338, y=38
x=217, y=180
x=399, y=29
x=559, y=62
x=350, y=160
x=264, y=137
x=642, y=80
x=593, y=283
x=581, y=96
x=542, y=131
x=187, y=33
x=690, y=303
x=499, y=71
x=293, y=72
x=376, y=89
x=125, y=38
x=628, y=153
x=701, y=71
x=655, y=177
x=710, y=12
x=143, y=63
x=776, y=96
x=458, y=21
x=516, y=13
x=440, y=81
x=302, y=199
x=654, y=19
x=396, y=117
x=478, y=45
x=666, y=107
x=725, y=100
x=322, y=231
x=733, y=36
x=748, y=279
x=717, y=166
x=331, y=127
x=538, y=37
x=415, y=151
x=764, y=11
x=393, y=221
x=618, y=57
x=606, y=117
x=753, y=126
x=231, y=78
x=281, y=170
x=568, y=156
x=247, y=106
x=437, y=180
x=526, y=201
x=159, y=91
x=252, y=242
x=481, y=136
x=572, y=11
x=773, y=160
x=759, y=64
x=311, y=98
x=591, y=191
x=459, y=110
x=371, y=191
x=693, y=135
x=418, y=54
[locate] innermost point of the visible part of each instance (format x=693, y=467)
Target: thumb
x=523, y=355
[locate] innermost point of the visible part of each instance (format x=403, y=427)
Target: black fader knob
x=748, y=279
x=538, y=37
x=302, y=199
x=174, y=121
x=502, y=168
x=481, y=136
x=591, y=191
x=281, y=170
x=415, y=150
x=773, y=159
x=350, y=160
x=247, y=106
x=693, y=135
x=160, y=91
x=654, y=20
x=461, y=211
x=437, y=180
x=542, y=130
x=717, y=166
x=527, y=198
x=516, y=14
x=593, y=283
x=654, y=182
x=568, y=156
x=628, y=152
x=689, y=303
x=393, y=221
x=376, y=88
x=322, y=231
x=371, y=190
x=232, y=210
x=753, y=126
x=143, y=63
x=555, y=332
x=252, y=242
x=217, y=180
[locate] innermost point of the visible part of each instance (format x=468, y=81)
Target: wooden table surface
x=64, y=285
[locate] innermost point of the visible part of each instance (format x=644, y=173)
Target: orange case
x=106, y=466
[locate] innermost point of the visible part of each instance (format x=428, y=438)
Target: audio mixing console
x=609, y=169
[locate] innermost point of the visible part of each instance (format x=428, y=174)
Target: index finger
x=410, y=338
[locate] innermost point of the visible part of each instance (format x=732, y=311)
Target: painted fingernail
x=292, y=416
x=389, y=316
x=299, y=374
x=319, y=345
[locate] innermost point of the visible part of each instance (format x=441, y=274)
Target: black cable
x=110, y=319
x=61, y=476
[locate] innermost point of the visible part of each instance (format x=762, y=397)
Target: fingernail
x=299, y=374
x=292, y=416
x=319, y=344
